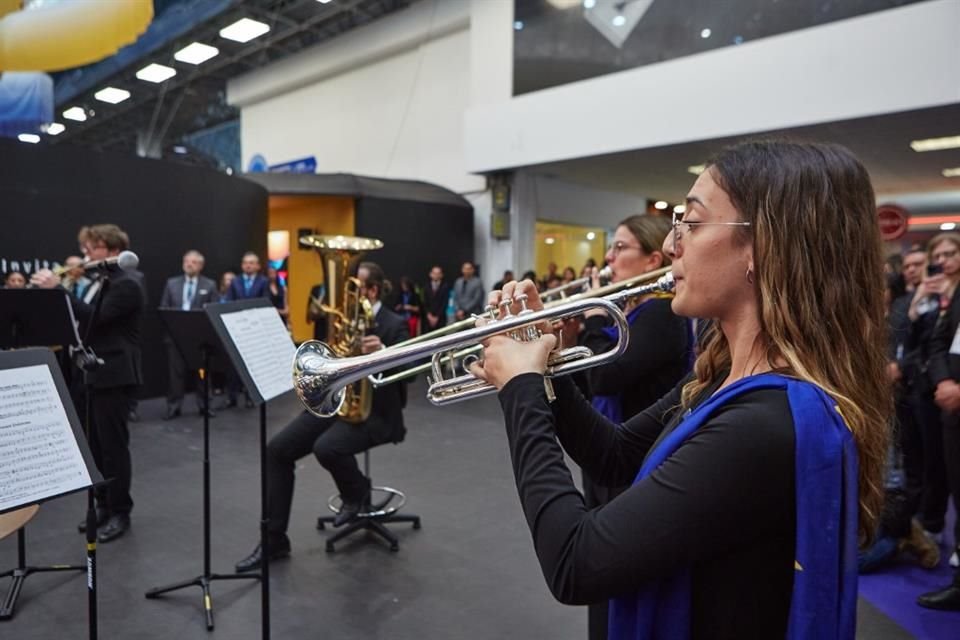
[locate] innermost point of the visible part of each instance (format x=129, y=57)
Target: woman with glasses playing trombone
x=754, y=480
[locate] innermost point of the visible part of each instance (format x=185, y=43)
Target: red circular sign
x=893, y=221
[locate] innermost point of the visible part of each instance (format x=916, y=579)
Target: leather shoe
x=102, y=517
x=947, y=599
x=279, y=548
x=248, y=403
x=210, y=413
x=172, y=412
x=114, y=527
x=351, y=510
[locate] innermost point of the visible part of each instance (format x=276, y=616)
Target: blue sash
x=611, y=406
x=824, y=601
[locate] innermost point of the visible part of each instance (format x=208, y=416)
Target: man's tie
x=188, y=295
x=247, y=283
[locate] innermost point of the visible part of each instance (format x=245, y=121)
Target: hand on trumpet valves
x=44, y=279
x=504, y=357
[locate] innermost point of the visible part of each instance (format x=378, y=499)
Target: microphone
x=127, y=260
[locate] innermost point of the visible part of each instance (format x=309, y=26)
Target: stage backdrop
x=48, y=192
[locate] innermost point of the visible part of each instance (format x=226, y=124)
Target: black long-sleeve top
x=723, y=504
x=657, y=356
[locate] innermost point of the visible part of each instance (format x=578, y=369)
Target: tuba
x=349, y=316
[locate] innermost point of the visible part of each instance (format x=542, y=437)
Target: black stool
x=381, y=512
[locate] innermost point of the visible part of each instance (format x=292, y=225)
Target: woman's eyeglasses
x=619, y=246
x=682, y=227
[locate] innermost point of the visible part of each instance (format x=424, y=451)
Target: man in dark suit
x=187, y=292
x=315, y=313
x=944, y=371
x=249, y=284
x=435, y=297
x=115, y=337
x=335, y=443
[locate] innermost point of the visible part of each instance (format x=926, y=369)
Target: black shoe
x=172, y=412
x=350, y=510
x=279, y=548
x=102, y=517
x=114, y=527
x=133, y=416
x=947, y=599
x=210, y=413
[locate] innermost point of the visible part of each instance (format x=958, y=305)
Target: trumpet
x=320, y=377
x=580, y=285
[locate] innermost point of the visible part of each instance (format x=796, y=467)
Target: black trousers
x=951, y=452
x=929, y=437
x=177, y=376
x=110, y=446
x=335, y=445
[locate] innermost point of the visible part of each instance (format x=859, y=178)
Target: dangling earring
x=749, y=275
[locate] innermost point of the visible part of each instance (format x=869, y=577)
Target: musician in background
x=115, y=338
x=334, y=442
x=315, y=313
x=14, y=280
x=754, y=481
x=187, y=292
x=659, y=354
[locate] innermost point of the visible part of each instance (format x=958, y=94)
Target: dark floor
x=470, y=572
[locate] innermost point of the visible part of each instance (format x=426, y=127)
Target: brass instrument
x=349, y=314
x=320, y=377
x=450, y=359
x=580, y=285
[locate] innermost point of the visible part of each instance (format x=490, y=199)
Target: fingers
x=476, y=369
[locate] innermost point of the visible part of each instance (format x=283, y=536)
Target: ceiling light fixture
x=32, y=138
x=55, y=129
x=75, y=113
x=518, y=25
x=195, y=53
x=589, y=4
x=948, y=226
x=156, y=73
x=549, y=240
x=705, y=33
x=324, y=1
x=244, y=30
x=112, y=95
x=591, y=235
x=680, y=208
x=951, y=173
x=619, y=20
x=935, y=144
x=696, y=169
x=660, y=204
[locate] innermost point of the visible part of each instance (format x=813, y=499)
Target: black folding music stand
x=31, y=358
x=31, y=317
x=258, y=383
x=195, y=339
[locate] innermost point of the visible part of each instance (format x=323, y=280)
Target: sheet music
x=39, y=456
x=265, y=346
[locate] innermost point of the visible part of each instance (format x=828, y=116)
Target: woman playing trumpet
x=752, y=481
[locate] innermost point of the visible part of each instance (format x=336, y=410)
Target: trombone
x=449, y=358
x=320, y=377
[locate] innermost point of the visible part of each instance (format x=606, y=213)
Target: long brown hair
x=649, y=230
x=819, y=277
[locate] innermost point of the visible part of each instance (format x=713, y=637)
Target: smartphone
x=934, y=269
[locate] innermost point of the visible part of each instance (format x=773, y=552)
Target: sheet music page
x=265, y=346
x=39, y=456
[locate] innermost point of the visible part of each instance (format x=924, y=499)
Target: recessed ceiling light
x=518, y=25
x=680, y=208
x=156, y=73
x=196, y=53
x=55, y=129
x=619, y=20
x=32, y=138
x=244, y=30
x=660, y=204
x=951, y=173
x=591, y=235
x=324, y=1
x=112, y=95
x=935, y=144
x=696, y=169
x=948, y=226
x=75, y=113
x=589, y=4
x=549, y=240
x=705, y=33
x=563, y=4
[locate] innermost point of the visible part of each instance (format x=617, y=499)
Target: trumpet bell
x=313, y=376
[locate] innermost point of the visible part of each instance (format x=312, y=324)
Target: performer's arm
x=723, y=489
